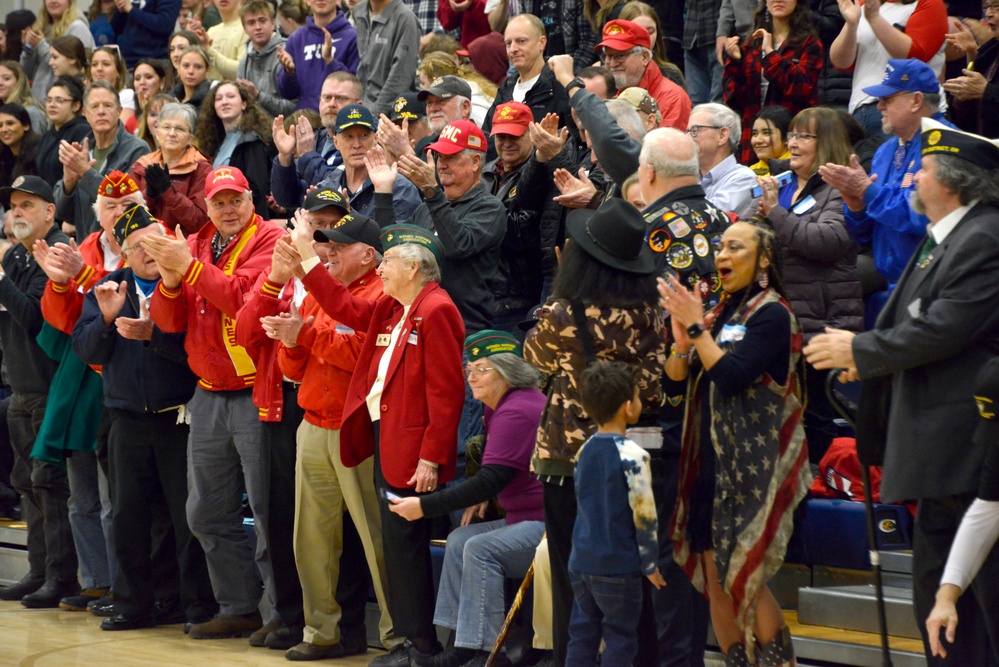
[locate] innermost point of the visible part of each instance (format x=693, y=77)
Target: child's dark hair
x=605, y=386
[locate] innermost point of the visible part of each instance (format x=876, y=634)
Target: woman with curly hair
x=233, y=130
x=17, y=144
x=438, y=64
x=57, y=18
x=778, y=62
x=16, y=89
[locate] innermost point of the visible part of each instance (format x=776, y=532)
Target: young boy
x=614, y=538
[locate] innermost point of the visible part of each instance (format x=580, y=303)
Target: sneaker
x=102, y=607
x=260, y=636
x=80, y=602
x=226, y=627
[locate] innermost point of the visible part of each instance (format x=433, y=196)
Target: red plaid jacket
x=793, y=72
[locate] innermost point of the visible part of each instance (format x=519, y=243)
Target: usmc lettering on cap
x=451, y=133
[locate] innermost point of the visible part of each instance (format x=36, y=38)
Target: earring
x=763, y=279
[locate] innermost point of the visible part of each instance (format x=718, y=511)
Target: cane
x=511, y=615
x=872, y=543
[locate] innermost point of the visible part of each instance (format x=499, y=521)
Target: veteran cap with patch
x=489, y=342
x=940, y=139
x=622, y=35
x=407, y=107
x=32, y=185
x=225, y=178
x=355, y=115
x=512, y=118
x=641, y=100
x=134, y=218
x=116, y=185
x=322, y=198
x=352, y=228
x=400, y=234
x=446, y=87
x=457, y=136
x=905, y=76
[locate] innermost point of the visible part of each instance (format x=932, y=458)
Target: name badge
x=412, y=338
x=732, y=333
x=383, y=340
x=804, y=205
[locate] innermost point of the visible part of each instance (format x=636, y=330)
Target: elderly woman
x=173, y=177
x=603, y=306
x=744, y=464
x=479, y=556
x=407, y=384
x=820, y=257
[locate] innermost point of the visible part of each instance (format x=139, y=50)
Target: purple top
x=511, y=433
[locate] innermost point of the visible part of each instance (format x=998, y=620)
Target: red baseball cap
x=457, y=136
x=225, y=178
x=622, y=35
x=512, y=118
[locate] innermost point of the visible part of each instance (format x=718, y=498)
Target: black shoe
x=29, y=584
x=481, y=657
x=284, y=638
x=102, y=607
x=123, y=622
x=80, y=602
x=354, y=643
x=397, y=657
x=50, y=594
x=454, y=656
x=168, y=612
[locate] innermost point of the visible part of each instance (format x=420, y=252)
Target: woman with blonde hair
x=438, y=64
x=15, y=89
x=192, y=74
x=57, y=18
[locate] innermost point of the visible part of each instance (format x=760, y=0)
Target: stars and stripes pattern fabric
x=761, y=474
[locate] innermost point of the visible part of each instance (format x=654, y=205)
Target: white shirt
x=972, y=544
x=374, y=398
x=729, y=186
x=521, y=88
x=945, y=225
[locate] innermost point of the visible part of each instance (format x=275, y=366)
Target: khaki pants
x=542, y=598
x=324, y=488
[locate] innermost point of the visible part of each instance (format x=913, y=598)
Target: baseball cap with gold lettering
x=225, y=178
x=940, y=139
x=622, y=35
x=457, y=136
x=512, y=118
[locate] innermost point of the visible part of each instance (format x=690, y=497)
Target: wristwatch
x=694, y=330
x=430, y=191
x=575, y=83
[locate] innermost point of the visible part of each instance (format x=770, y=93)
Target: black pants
x=673, y=628
x=147, y=456
x=407, y=563
x=820, y=429
x=280, y=441
x=560, y=516
x=44, y=489
x=937, y=520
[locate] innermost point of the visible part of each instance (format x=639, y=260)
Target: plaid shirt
x=701, y=23
x=580, y=40
x=426, y=15
x=793, y=73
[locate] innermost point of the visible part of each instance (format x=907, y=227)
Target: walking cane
x=511, y=615
x=872, y=543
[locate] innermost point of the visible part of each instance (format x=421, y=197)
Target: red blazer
x=424, y=389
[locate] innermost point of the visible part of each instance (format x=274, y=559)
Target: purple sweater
x=511, y=433
x=306, y=48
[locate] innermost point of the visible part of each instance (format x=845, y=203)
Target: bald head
x=525, y=45
x=528, y=22
x=668, y=161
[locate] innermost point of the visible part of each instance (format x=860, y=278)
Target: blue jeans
x=90, y=518
x=869, y=117
x=703, y=74
x=477, y=560
x=607, y=607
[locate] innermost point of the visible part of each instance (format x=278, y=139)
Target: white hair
x=722, y=116
x=627, y=117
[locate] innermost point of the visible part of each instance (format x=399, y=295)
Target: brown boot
x=225, y=627
x=260, y=636
x=779, y=652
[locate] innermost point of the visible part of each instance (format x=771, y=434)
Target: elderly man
x=112, y=147
x=146, y=384
x=43, y=486
x=535, y=84
x=316, y=149
x=939, y=327
x=355, y=136
x=644, y=104
x=410, y=115
x=876, y=208
x=627, y=55
x=717, y=131
x=530, y=226
x=205, y=280
x=338, y=534
x=448, y=99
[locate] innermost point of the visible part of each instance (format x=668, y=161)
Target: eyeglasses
x=800, y=136
x=172, y=129
x=990, y=7
x=694, y=130
x=619, y=57
x=476, y=372
x=889, y=98
x=341, y=100
x=58, y=100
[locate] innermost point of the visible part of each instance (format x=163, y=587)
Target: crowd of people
x=568, y=279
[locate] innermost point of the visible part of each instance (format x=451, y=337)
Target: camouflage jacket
x=553, y=346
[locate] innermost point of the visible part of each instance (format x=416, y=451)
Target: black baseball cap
x=322, y=198
x=355, y=115
x=407, y=107
x=446, y=87
x=32, y=185
x=352, y=228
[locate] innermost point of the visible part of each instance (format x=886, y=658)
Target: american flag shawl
x=761, y=473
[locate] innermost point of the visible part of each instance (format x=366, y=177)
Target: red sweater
x=207, y=301
x=325, y=356
x=473, y=22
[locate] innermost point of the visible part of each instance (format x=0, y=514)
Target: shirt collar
x=945, y=225
x=720, y=169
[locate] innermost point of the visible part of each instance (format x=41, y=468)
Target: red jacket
x=62, y=304
x=793, y=72
x=674, y=103
x=266, y=298
x=424, y=389
x=184, y=203
x=207, y=296
x=473, y=22
x=325, y=356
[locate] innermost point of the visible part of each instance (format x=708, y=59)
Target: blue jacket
x=888, y=222
x=306, y=48
x=102, y=31
x=139, y=376
x=288, y=184
x=145, y=31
